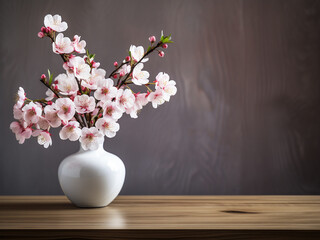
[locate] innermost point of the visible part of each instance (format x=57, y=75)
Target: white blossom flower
x=107, y=126
x=21, y=133
x=62, y=45
x=66, y=109
x=140, y=77
x=81, y=70
x=125, y=69
x=50, y=94
x=133, y=111
x=44, y=138
x=124, y=99
x=31, y=112
x=156, y=98
x=71, y=131
x=137, y=53
x=51, y=114
x=84, y=103
x=67, y=84
x=54, y=22
x=111, y=110
x=91, y=138
x=21, y=97
x=141, y=100
x=96, y=75
x=105, y=90
x=168, y=86
x=79, y=46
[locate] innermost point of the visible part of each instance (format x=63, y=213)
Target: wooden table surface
x=159, y=217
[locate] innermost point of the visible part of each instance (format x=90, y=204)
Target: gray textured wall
x=246, y=116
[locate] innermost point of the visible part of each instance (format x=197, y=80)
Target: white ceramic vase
x=91, y=178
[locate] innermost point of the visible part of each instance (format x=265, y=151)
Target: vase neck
x=98, y=149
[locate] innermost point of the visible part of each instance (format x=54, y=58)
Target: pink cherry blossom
x=21, y=133
x=125, y=69
x=54, y=22
x=133, y=111
x=105, y=90
x=44, y=138
x=31, y=112
x=84, y=104
x=17, y=112
x=124, y=99
x=141, y=100
x=50, y=94
x=67, y=84
x=137, y=53
x=62, y=45
x=96, y=75
x=81, y=70
x=71, y=131
x=43, y=124
x=51, y=114
x=111, y=110
x=65, y=108
x=107, y=126
x=168, y=86
x=91, y=138
x=140, y=77
x=79, y=46
x=156, y=98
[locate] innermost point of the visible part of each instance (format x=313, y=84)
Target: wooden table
x=160, y=217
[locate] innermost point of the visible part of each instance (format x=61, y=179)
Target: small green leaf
x=149, y=48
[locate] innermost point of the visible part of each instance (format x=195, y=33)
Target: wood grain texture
x=246, y=117
x=157, y=217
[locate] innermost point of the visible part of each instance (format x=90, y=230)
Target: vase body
x=91, y=178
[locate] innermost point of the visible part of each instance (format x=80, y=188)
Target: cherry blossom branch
x=114, y=71
x=65, y=59
x=76, y=115
x=135, y=64
x=47, y=85
x=150, y=90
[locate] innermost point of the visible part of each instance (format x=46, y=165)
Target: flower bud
x=121, y=74
x=115, y=64
x=161, y=54
x=40, y=34
x=43, y=29
x=152, y=39
x=43, y=76
x=165, y=45
x=127, y=58
x=48, y=29
x=95, y=64
x=115, y=76
x=49, y=102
